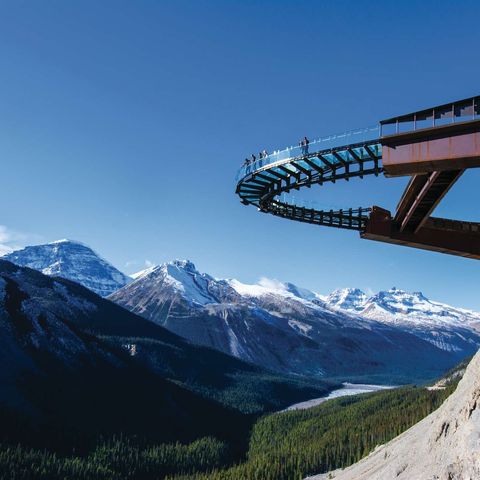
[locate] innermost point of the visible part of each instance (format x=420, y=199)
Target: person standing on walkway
x=306, y=142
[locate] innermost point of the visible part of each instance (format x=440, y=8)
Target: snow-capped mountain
x=449, y=328
x=349, y=299
x=396, y=305
x=73, y=261
x=280, y=326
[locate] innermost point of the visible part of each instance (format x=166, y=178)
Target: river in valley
x=347, y=389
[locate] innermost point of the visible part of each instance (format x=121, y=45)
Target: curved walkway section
x=337, y=157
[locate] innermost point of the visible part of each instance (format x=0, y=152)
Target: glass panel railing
x=455, y=112
x=317, y=145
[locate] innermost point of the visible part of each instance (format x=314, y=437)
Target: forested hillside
x=283, y=446
x=291, y=445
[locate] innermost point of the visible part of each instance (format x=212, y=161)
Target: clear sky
x=122, y=125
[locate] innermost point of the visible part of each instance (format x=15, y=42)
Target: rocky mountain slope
x=73, y=261
x=54, y=328
x=443, y=446
x=62, y=380
x=280, y=326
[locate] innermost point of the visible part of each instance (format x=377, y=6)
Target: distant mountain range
x=291, y=329
x=449, y=328
x=392, y=336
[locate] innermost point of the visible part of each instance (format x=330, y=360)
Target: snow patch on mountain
x=144, y=272
x=267, y=286
x=300, y=327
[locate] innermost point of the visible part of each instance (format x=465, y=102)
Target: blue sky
x=122, y=125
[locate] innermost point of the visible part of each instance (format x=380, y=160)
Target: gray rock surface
x=443, y=446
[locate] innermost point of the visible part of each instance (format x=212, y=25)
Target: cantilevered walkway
x=433, y=146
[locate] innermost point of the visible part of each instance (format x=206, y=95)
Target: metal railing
x=317, y=145
x=454, y=112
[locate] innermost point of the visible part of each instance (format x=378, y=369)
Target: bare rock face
x=443, y=446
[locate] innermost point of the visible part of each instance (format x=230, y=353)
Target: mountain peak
x=74, y=261
x=350, y=299
x=66, y=240
x=187, y=265
x=398, y=295
x=177, y=280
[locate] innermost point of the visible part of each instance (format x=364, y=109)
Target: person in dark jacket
x=305, y=143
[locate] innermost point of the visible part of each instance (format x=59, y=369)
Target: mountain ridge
x=72, y=260
x=278, y=325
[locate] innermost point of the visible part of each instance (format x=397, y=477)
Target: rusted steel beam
x=448, y=147
x=437, y=234
x=413, y=188
x=423, y=201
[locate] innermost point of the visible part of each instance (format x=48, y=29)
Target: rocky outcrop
x=443, y=446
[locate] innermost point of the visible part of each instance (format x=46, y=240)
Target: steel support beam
x=303, y=170
x=330, y=165
x=313, y=165
x=448, y=147
x=421, y=197
x=437, y=234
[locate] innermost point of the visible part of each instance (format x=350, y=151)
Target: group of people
x=248, y=161
x=264, y=154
